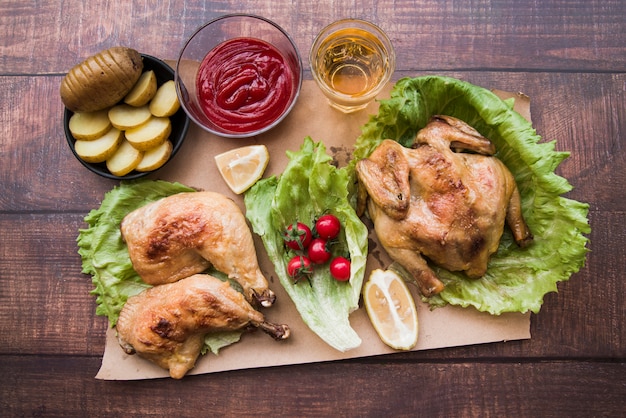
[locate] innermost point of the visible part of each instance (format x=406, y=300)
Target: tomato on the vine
x=314, y=248
x=328, y=226
x=299, y=267
x=318, y=251
x=298, y=236
x=340, y=268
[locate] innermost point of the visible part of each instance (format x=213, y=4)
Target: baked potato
x=155, y=157
x=124, y=116
x=100, y=149
x=150, y=134
x=124, y=160
x=165, y=102
x=89, y=125
x=102, y=80
x=144, y=90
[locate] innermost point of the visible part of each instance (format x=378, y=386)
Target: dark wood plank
x=568, y=56
x=54, y=312
x=48, y=37
x=39, y=171
x=579, y=112
x=345, y=389
x=45, y=301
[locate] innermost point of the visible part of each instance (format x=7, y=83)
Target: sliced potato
x=143, y=91
x=125, y=117
x=165, y=101
x=101, y=80
x=150, y=134
x=100, y=149
x=155, y=157
x=124, y=160
x=89, y=125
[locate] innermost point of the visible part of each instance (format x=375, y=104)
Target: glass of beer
x=351, y=61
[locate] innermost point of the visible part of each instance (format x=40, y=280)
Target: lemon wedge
x=242, y=167
x=391, y=309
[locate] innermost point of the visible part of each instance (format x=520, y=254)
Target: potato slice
x=143, y=91
x=124, y=160
x=155, y=157
x=125, y=117
x=100, y=149
x=150, y=134
x=165, y=101
x=89, y=125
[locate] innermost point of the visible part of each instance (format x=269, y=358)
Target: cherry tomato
x=299, y=267
x=318, y=251
x=340, y=268
x=298, y=236
x=328, y=226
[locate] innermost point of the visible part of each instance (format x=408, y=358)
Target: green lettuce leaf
x=310, y=186
x=105, y=256
x=517, y=279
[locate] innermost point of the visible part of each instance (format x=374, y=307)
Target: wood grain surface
x=569, y=56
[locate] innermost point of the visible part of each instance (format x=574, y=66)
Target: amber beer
x=351, y=60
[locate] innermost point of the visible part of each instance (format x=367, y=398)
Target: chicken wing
x=186, y=233
x=166, y=324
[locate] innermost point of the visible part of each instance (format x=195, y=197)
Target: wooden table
x=568, y=56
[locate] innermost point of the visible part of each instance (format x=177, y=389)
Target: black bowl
x=180, y=123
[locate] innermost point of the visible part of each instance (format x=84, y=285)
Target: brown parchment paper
x=312, y=116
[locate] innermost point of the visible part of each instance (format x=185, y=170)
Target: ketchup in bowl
x=244, y=84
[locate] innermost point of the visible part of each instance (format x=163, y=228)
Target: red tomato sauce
x=244, y=84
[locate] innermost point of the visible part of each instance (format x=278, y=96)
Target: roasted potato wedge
x=165, y=102
x=100, y=149
x=143, y=91
x=89, y=125
x=102, y=80
x=150, y=134
x=126, y=117
x=124, y=160
x=155, y=157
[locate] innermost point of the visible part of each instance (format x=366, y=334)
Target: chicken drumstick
x=166, y=324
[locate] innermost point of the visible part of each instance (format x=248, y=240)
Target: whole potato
x=102, y=80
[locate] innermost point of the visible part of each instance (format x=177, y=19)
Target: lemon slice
x=242, y=167
x=391, y=308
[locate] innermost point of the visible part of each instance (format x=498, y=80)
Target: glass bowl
x=227, y=84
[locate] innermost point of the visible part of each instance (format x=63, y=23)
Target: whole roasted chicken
x=446, y=200
x=166, y=324
x=186, y=233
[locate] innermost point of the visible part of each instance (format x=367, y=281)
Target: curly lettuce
x=310, y=186
x=517, y=279
x=105, y=255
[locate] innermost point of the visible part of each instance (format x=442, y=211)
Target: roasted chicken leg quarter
x=433, y=202
x=186, y=233
x=166, y=324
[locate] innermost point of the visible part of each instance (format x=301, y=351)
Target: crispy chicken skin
x=166, y=324
x=432, y=202
x=186, y=233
